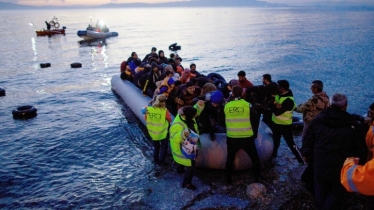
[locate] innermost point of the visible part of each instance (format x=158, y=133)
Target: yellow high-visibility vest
x=176, y=139
x=237, y=114
x=156, y=123
x=286, y=117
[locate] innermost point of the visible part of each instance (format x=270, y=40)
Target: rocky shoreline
x=280, y=188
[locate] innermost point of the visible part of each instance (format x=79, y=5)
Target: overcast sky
x=99, y=2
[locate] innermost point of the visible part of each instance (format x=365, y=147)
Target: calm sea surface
x=85, y=148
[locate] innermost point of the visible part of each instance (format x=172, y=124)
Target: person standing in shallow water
x=157, y=119
x=284, y=104
x=240, y=134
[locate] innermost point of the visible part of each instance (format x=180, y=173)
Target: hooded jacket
x=313, y=106
x=331, y=137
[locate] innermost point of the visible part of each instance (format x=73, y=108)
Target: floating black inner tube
x=219, y=83
x=76, y=65
x=45, y=65
x=174, y=47
x=27, y=111
x=215, y=76
x=2, y=92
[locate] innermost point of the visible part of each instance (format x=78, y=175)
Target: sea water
x=85, y=149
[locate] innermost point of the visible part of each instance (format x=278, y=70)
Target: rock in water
x=255, y=190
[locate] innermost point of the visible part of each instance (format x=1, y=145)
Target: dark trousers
x=189, y=172
x=286, y=132
x=159, y=150
x=248, y=145
x=328, y=191
x=266, y=118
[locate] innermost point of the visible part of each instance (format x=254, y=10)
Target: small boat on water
x=100, y=31
x=91, y=35
x=50, y=32
x=53, y=27
x=213, y=153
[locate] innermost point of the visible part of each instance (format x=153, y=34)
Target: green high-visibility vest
x=156, y=123
x=176, y=139
x=238, y=124
x=286, y=117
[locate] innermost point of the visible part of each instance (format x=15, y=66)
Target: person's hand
x=200, y=102
x=352, y=159
x=186, y=133
x=278, y=106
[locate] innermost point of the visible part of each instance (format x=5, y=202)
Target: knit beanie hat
x=216, y=97
x=154, y=65
x=171, y=81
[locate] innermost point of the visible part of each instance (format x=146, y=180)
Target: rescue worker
x=239, y=133
x=370, y=134
x=179, y=131
x=284, y=104
x=157, y=119
x=359, y=178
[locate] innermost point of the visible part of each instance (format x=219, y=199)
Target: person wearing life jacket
x=186, y=76
x=194, y=73
x=370, y=133
x=157, y=119
x=179, y=131
x=164, y=83
x=239, y=133
x=282, y=109
x=165, y=89
x=133, y=62
x=125, y=71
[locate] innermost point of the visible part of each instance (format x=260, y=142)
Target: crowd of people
x=331, y=136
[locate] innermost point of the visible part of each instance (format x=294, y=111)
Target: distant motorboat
x=100, y=31
x=50, y=32
x=91, y=35
x=53, y=27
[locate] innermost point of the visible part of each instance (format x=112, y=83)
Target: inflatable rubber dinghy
x=213, y=153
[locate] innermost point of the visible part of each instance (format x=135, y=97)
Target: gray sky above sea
x=202, y=2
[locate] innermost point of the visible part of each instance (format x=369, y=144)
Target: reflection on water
x=92, y=43
x=85, y=148
x=33, y=47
